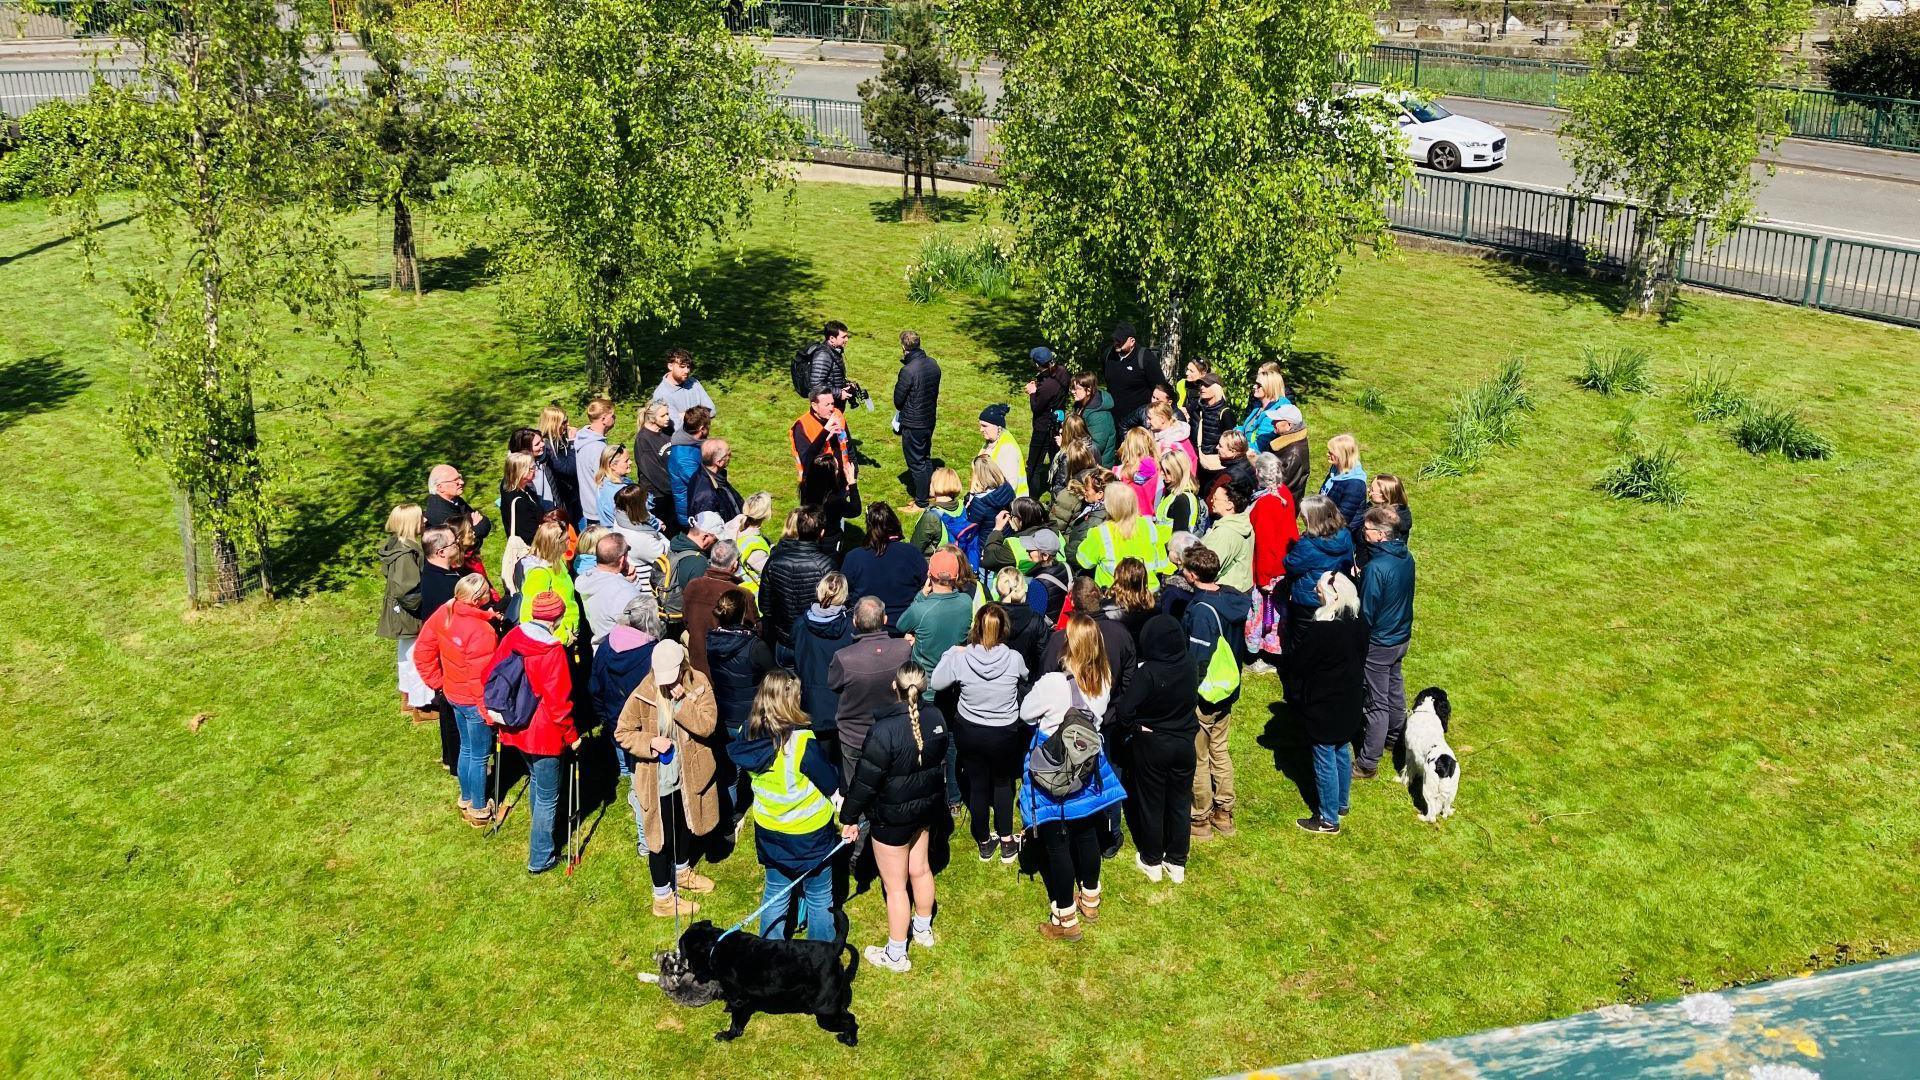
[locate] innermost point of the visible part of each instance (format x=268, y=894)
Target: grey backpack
x=1063, y=763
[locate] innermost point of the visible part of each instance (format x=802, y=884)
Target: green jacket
x=1098, y=413
x=938, y=622
x=1104, y=547
x=400, y=610
x=538, y=580
x=928, y=533
x=1231, y=538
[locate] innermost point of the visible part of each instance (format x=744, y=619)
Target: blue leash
x=781, y=896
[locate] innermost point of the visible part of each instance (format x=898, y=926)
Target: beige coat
x=698, y=716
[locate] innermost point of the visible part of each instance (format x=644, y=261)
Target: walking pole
x=573, y=776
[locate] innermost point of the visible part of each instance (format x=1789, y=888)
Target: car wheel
x=1444, y=157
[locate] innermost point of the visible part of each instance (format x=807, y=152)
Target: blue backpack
x=510, y=703
x=963, y=534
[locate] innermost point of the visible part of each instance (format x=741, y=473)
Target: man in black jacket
x=790, y=579
x=1129, y=371
x=1047, y=396
x=446, y=500
x=916, y=394
x=827, y=364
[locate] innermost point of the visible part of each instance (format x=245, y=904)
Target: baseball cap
x=708, y=522
x=1045, y=540
x=1040, y=354
x=944, y=566
x=668, y=658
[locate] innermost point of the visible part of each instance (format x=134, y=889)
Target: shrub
x=1617, y=371
x=36, y=160
x=1652, y=476
x=1710, y=395
x=1778, y=429
x=1371, y=400
x=984, y=267
x=1878, y=56
x=1485, y=417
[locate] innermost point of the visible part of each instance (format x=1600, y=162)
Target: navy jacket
x=895, y=576
x=737, y=659
x=1386, y=594
x=1311, y=556
x=792, y=854
x=821, y=634
x=618, y=668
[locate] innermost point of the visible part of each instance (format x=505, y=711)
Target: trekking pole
x=573, y=791
x=501, y=818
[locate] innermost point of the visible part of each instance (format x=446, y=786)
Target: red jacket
x=455, y=650
x=1276, y=526
x=552, y=729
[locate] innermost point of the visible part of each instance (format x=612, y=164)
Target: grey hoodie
x=989, y=682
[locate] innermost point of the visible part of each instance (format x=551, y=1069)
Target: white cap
x=708, y=522
x=668, y=658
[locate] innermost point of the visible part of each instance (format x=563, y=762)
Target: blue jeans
x=476, y=745
x=543, y=783
x=816, y=906
x=625, y=761
x=1332, y=779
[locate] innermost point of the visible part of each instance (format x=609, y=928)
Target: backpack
x=509, y=701
x=665, y=586
x=1063, y=763
x=800, y=369
x=1220, y=678
x=963, y=534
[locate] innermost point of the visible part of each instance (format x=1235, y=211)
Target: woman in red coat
x=1276, y=525
x=551, y=733
x=453, y=653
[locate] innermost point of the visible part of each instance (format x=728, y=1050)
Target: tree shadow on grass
x=37, y=384
x=60, y=241
x=759, y=310
x=947, y=208
x=1009, y=328
x=456, y=273
x=1311, y=374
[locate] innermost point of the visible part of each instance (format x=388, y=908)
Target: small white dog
x=1432, y=768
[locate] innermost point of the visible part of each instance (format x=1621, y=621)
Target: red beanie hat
x=548, y=607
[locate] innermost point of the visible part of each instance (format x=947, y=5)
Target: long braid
x=911, y=680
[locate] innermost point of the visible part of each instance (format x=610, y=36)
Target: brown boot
x=1063, y=926
x=663, y=906
x=1089, y=907
x=1223, y=822
x=692, y=882
x=1202, y=829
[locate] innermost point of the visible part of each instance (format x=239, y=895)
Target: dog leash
x=782, y=895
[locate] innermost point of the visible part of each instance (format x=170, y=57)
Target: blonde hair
x=1085, y=657
x=605, y=472
x=1011, y=584
x=1268, y=383
x=407, y=521
x=657, y=408
x=757, y=509
x=1176, y=474
x=1161, y=410
x=832, y=590
x=473, y=589
x=1137, y=446
x=553, y=423
x=1343, y=449
x=986, y=476
x=519, y=467
x=910, y=681
x=598, y=408
x=776, y=707
x=945, y=483
x=550, y=544
x=590, y=540
x=1233, y=443
x=1123, y=508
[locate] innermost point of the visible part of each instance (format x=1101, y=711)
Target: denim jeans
x=476, y=745
x=624, y=761
x=543, y=783
x=1332, y=779
x=816, y=906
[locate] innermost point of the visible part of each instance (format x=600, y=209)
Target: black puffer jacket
x=1161, y=695
x=897, y=782
x=826, y=369
x=1329, y=664
x=787, y=586
x=1209, y=422
x=916, y=391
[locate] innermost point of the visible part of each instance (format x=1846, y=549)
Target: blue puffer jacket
x=1311, y=556
x=1038, y=807
x=1348, y=490
x=621, y=661
x=1386, y=594
x=683, y=460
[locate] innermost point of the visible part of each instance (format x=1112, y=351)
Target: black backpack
x=510, y=703
x=801, y=370
x=1067, y=760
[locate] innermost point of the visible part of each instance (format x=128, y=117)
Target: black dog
x=756, y=974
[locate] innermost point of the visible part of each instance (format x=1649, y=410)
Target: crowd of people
x=1052, y=653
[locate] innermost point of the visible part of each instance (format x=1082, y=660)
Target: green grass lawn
x=1687, y=735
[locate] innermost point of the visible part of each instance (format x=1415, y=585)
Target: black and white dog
x=1432, y=768
x=755, y=974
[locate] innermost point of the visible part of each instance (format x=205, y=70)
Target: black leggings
x=990, y=762
x=679, y=838
x=1072, y=856
x=1161, y=783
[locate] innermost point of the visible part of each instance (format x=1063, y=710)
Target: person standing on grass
x=1386, y=606
x=684, y=455
x=794, y=786
x=668, y=727
x=711, y=491
x=401, y=560
x=1275, y=522
x=544, y=569
x=916, y=400
x=987, y=726
x=863, y=674
x=1384, y=490
x=455, y=649
x=1212, y=619
x=551, y=732
x=1027, y=626
x=1094, y=407
x=589, y=445
x=687, y=561
x=937, y=620
x=520, y=509
x=1230, y=535
x=1047, y=398
x=1124, y=533
x=1330, y=653
x=645, y=536
x=944, y=489
x=1069, y=827
x=614, y=473
x=557, y=457
x=1346, y=482
x=440, y=575
x=1129, y=371
x=1179, y=504
x=826, y=364
x=650, y=441
x=722, y=576
x=999, y=444
x=896, y=787
x=826, y=630
x=1076, y=455
x=886, y=566
x=791, y=579
x=679, y=389
x=1208, y=413
x=1157, y=712
x=1138, y=469
x=737, y=661
x=1170, y=433
x=1274, y=425
x=752, y=542
x=447, y=501
x=530, y=442
x=619, y=665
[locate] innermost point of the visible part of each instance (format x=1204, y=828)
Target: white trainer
x=1177, y=872
x=877, y=956
x=1152, y=872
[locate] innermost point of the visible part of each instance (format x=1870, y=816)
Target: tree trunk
x=1170, y=339
x=1651, y=275
x=226, y=569
x=406, y=263
x=933, y=187
x=603, y=357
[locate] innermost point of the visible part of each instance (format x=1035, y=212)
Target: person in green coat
x=1094, y=406
x=1124, y=533
x=937, y=620
x=1231, y=534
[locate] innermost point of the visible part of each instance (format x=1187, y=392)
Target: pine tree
x=917, y=108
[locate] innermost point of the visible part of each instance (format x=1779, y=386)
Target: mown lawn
x=1687, y=736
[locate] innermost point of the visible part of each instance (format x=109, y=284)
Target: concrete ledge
x=868, y=160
